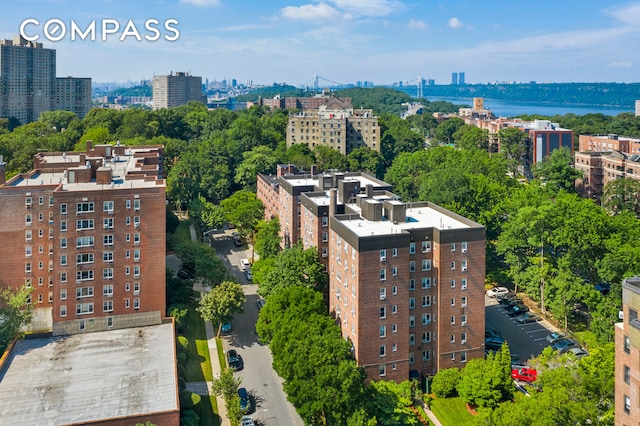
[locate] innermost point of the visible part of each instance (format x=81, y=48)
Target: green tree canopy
x=221, y=303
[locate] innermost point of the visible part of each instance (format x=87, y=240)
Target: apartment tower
x=176, y=89
x=627, y=342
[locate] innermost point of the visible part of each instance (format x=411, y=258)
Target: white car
x=497, y=291
x=245, y=264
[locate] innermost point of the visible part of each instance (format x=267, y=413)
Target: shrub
x=181, y=371
x=189, y=418
x=183, y=344
x=445, y=382
x=182, y=385
x=188, y=399
x=182, y=358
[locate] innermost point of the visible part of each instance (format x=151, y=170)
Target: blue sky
x=348, y=40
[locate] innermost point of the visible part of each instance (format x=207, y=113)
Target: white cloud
x=321, y=11
x=416, y=24
x=455, y=23
x=201, y=3
x=368, y=8
x=628, y=14
x=619, y=64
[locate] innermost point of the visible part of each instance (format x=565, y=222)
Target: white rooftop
x=417, y=218
x=89, y=377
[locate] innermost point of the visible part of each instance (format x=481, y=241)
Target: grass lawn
x=198, y=366
x=451, y=411
x=182, y=232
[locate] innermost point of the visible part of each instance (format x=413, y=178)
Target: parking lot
x=525, y=340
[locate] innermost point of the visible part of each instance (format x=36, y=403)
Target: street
x=258, y=377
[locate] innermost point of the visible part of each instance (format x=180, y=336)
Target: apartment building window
x=382, y=370
x=107, y=256
x=128, y=204
x=84, y=258
x=383, y=331
x=412, y=284
x=84, y=308
x=28, y=201
x=82, y=325
x=453, y=283
x=63, y=243
x=40, y=217
x=383, y=312
x=383, y=293
x=128, y=220
x=426, y=246
x=325, y=221
x=136, y=238
x=136, y=271
x=109, y=322
x=63, y=294
x=107, y=290
x=464, y=301
x=383, y=350
x=412, y=320
x=453, y=301
x=394, y=252
x=107, y=223
x=412, y=266
x=464, y=265
x=426, y=282
x=453, y=338
x=394, y=271
x=136, y=222
x=107, y=206
x=28, y=251
x=394, y=290
x=463, y=356
x=136, y=204
x=383, y=274
x=412, y=339
x=136, y=255
x=627, y=404
x=82, y=292
x=394, y=309
x=411, y=358
x=84, y=275
x=426, y=319
x=84, y=241
x=463, y=338
x=86, y=207
x=383, y=255
x=412, y=248
x=426, y=355
x=63, y=209
x=28, y=235
x=426, y=301
x=394, y=328
x=453, y=246
x=412, y=302
x=136, y=303
x=127, y=270
x=107, y=306
x=453, y=265
x=28, y=219
x=463, y=319
x=63, y=310
x=463, y=283
x=127, y=303
x=463, y=247
x=453, y=320
x=107, y=240
x=84, y=224
x=63, y=277
x=325, y=236
x=627, y=374
x=27, y=268
x=426, y=337
x=627, y=344
x=426, y=264
x=107, y=273
x=325, y=252
x=127, y=237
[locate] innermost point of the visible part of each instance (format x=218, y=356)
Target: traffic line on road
x=541, y=338
x=535, y=331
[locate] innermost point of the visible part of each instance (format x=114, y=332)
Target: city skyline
x=347, y=40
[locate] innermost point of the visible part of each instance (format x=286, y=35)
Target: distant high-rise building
x=454, y=78
x=73, y=94
x=627, y=350
x=176, y=89
x=27, y=79
x=461, y=78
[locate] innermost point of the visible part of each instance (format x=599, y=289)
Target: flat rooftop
x=308, y=180
x=90, y=377
x=417, y=218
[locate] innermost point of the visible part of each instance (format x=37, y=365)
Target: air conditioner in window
x=383, y=297
x=463, y=342
x=463, y=323
x=137, y=224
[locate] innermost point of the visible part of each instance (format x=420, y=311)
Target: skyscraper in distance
x=454, y=78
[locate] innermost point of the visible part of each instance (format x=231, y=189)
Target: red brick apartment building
x=627, y=371
x=406, y=280
x=86, y=232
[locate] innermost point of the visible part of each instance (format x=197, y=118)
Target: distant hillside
x=132, y=91
x=609, y=94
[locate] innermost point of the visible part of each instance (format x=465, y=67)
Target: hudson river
x=510, y=109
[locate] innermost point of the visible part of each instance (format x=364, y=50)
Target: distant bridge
x=415, y=87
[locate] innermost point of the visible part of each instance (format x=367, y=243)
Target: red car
x=524, y=374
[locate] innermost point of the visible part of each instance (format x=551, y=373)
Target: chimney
x=333, y=192
x=89, y=146
x=83, y=159
x=369, y=190
x=3, y=171
x=314, y=170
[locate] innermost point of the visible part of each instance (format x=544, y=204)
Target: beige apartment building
x=176, y=89
x=81, y=229
x=343, y=129
x=627, y=347
x=73, y=94
x=406, y=280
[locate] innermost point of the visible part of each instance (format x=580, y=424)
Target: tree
x=513, y=142
x=221, y=303
x=226, y=385
x=557, y=170
x=486, y=382
x=15, y=313
x=210, y=268
x=445, y=130
x=267, y=240
x=261, y=159
x=392, y=402
x=365, y=159
x=244, y=210
x=328, y=158
x=59, y=120
x=445, y=382
x=472, y=137
x=622, y=194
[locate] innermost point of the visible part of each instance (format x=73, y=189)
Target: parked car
x=237, y=241
x=245, y=401
x=603, y=288
x=226, y=328
x=554, y=337
x=578, y=352
x=493, y=343
x=515, y=310
x=563, y=345
x=245, y=264
x=504, y=298
x=524, y=374
x=527, y=317
x=494, y=292
x=492, y=332
x=517, y=363
x=510, y=302
x=234, y=360
x=185, y=274
x=247, y=421
x=261, y=303
x=249, y=274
